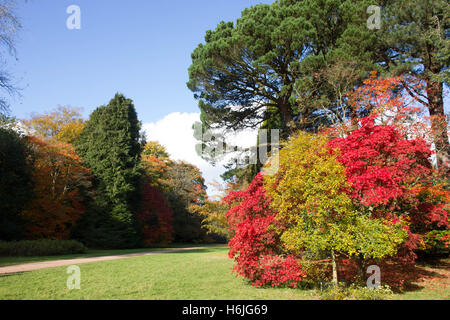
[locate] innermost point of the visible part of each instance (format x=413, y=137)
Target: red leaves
x=155, y=216
x=278, y=271
x=394, y=176
x=380, y=162
x=255, y=244
x=252, y=202
x=391, y=178
x=428, y=205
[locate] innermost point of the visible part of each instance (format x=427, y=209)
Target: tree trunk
x=439, y=123
x=354, y=121
x=361, y=269
x=287, y=119
x=333, y=264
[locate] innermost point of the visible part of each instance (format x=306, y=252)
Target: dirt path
x=68, y=262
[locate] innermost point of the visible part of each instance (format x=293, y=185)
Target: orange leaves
x=156, y=170
x=377, y=92
x=387, y=99
x=59, y=181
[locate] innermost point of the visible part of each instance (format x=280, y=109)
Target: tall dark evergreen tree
x=15, y=183
x=110, y=147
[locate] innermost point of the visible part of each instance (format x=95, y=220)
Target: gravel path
x=69, y=262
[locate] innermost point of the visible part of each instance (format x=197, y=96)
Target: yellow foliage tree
x=154, y=148
x=63, y=124
x=309, y=193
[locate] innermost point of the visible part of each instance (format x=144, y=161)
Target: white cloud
x=175, y=132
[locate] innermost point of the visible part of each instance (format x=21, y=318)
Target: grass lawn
x=199, y=274
x=10, y=261
x=434, y=285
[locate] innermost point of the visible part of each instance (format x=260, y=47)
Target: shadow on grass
x=200, y=250
x=5, y=275
x=92, y=253
x=401, y=278
x=428, y=269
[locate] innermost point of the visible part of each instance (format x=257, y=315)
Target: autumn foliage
x=369, y=198
x=255, y=245
x=62, y=202
x=380, y=163
x=393, y=176
x=60, y=180
x=155, y=216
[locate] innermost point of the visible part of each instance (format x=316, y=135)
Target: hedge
x=29, y=248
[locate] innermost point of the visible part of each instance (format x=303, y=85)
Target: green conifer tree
x=109, y=145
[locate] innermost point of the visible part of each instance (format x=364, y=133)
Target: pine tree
x=413, y=41
x=417, y=34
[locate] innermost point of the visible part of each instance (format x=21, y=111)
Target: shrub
x=392, y=178
x=310, y=193
x=437, y=242
x=354, y=292
x=29, y=248
x=380, y=163
x=255, y=244
x=279, y=271
x=368, y=198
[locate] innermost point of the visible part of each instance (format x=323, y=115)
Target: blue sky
x=140, y=48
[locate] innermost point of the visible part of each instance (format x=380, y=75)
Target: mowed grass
x=434, y=284
x=10, y=261
x=202, y=274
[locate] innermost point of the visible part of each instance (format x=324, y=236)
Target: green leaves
x=247, y=65
x=286, y=62
x=376, y=239
x=310, y=196
x=109, y=145
x=15, y=182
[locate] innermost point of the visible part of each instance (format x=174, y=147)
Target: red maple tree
x=155, y=216
x=255, y=246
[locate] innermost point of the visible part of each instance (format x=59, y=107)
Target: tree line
x=98, y=181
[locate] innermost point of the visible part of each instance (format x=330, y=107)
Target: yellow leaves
x=63, y=124
x=308, y=177
x=308, y=194
x=154, y=148
x=213, y=217
x=70, y=132
x=376, y=238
